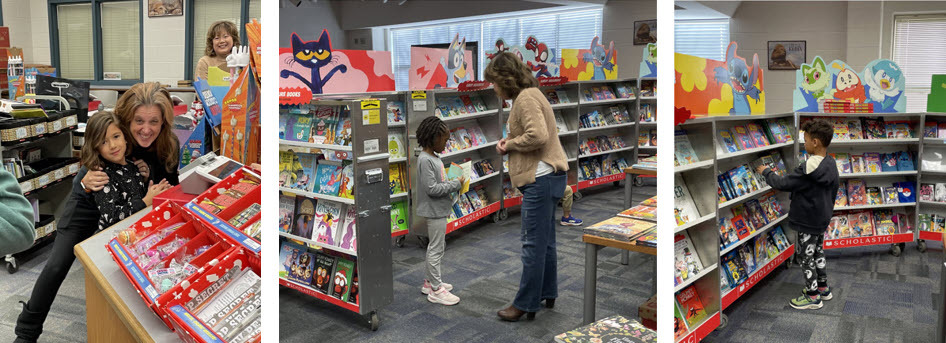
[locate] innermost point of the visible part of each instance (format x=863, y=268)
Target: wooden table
x=630, y=173
x=114, y=310
x=592, y=245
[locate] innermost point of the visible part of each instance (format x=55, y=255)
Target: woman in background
x=222, y=36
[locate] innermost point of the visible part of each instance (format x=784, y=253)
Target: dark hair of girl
x=428, y=131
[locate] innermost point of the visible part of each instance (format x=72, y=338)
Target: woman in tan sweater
x=222, y=36
x=537, y=166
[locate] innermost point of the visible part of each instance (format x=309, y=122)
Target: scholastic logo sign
x=859, y=241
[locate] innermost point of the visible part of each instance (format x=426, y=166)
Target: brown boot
x=512, y=314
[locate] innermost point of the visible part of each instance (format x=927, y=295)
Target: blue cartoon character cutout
x=649, y=61
x=313, y=55
x=601, y=58
x=455, y=63
x=543, y=56
x=741, y=79
x=884, y=86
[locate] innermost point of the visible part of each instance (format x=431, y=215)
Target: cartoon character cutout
x=543, y=56
x=884, y=85
x=649, y=62
x=455, y=63
x=500, y=48
x=313, y=55
x=815, y=79
x=848, y=86
x=600, y=58
x=741, y=79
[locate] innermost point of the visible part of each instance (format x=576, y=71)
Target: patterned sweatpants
x=811, y=255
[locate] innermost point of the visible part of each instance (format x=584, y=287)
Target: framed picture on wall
x=165, y=8
x=645, y=32
x=786, y=54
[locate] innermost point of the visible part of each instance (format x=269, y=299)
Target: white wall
x=618, y=25
x=309, y=21
x=16, y=16
x=823, y=25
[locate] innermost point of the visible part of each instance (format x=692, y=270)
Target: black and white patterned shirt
x=122, y=195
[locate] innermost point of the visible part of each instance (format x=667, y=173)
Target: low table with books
x=614, y=329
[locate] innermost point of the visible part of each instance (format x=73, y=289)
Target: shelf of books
x=334, y=208
x=399, y=177
x=876, y=156
x=607, y=130
x=932, y=212
x=473, y=118
x=646, y=118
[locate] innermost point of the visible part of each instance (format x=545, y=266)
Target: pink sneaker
x=443, y=296
x=426, y=288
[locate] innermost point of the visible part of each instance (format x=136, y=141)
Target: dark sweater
x=158, y=171
x=123, y=194
x=812, y=195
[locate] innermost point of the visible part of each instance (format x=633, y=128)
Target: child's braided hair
x=428, y=131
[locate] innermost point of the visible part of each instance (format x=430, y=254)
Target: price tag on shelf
x=420, y=105
x=371, y=146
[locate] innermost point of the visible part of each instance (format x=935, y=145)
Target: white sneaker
x=443, y=296
x=426, y=288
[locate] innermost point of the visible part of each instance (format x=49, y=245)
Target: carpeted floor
x=877, y=298
x=483, y=264
x=66, y=321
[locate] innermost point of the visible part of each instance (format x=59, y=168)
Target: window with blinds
x=77, y=59
x=570, y=29
x=206, y=12
x=702, y=38
x=121, y=39
x=920, y=50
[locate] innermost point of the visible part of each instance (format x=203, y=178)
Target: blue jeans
x=539, y=258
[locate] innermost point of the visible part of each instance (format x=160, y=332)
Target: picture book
x=727, y=140
x=905, y=161
x=906, y=191
x=287, y=206
x=874, y=129
x=772, y=207
x=560, y=122
x=873, y=196
x=643, y=139
x=840, y=128
x=861, y=223
x=396, y=147
x=684, y=209
x=288, y=258
x=468, y=103
x=346, y=234
x=679, y=325
x=854, y=130
x=329, y=177
x=727, y=232
x=587, y=95
x=323, y=123
x=326, y=218
x=758, y=136
x=889, y=162
x=756, y=214
x=890, y=195
x=736, y=270
x=779, y=236
x=458, y=142
x=883, y=222
x=741, y=226
x=341, y=279
x=465, y=138
x=626, y=230
x=551, y=96
x=304, y=217
x=395, y=112
x=774, y=131
x=298, y=127
x=347, y=187
x=477, y=133
x=394, y=176
x=465, y=206
x=612, y=329
x=940, y=193
x=289, y=167
x=640, y=212
x=399, y=215
x=872, y=162
x=343, y=129
x=305, y=180
x=856, y=192
x=303, y=267
x=925, y=222
x=747, y=257
x=843, y=161
x=834, y=231
x=689, y=300
x=687, y=262
x=926, y=192
x=939, y=223
x=459, y=106
x=759, y=250
x=929, y=129
x=941, y=130
x=741, y=134
x=857, y=164
x=653, y=137
x=899, y=129
x=682, y=150
x=562, y=96
x=324, y=268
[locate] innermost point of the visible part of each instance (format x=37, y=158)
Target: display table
x=592, y=245
x=114, y=310
x=630, y=173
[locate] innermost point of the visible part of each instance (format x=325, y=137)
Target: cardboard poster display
x=315, y=66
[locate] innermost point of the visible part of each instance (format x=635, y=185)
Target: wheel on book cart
x=12, y=267
x=617, y=183
x=399, y=241
x=895, y=250
x=576, y=196
x=638, y=181
x=500, y=215
x=921, y=245
x=374, y=321
x=723, y=321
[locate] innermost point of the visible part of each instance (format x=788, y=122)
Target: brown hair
x=220, y=26
x=507, y=72
x=151, y=94
x=95, y=131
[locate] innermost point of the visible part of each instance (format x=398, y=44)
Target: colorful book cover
x=324, y=268
x=758, y=136
x=939, y=223
x=941, y=130
x=759, y=248
x=479, y=104
x=856, y=192
x=905, y=161
x=395, y=112
x=305, y=217
x=857, y=164
x=925, y=221
x=906, y=191
x=854, y=130
x=396, y=147
x=287, y=206
x=883, y=222
x=747, y=257
x=679, y=324
x=755, y=213
x=323, y=122
x=742, y=227
x=477, y=134
x=562, y=96
x=872, y=162
x=289, y=258
x=874, y=129
x=303, y=268
x=468, y=103
x=840, y=129
x=341, y=283
x=728, y=141
x=298, y=127
x=899, y=129
x=874, y=197
x=864, y=224
x=399, y=216
x=780, y=240
x=329, y=178
x=775, y=131
x=926, y=192
x=929, y=129
x=741, y=134
x=306, y=179
x=326, y=218
x=889, y=162
x=684, y=208
x=689, y=301
x=687, y=262
x=727, y=232
x=346, y=234
x=683, y=151
x=890, y=195
x=612, y=329
x=735, y=268
x=843, y=161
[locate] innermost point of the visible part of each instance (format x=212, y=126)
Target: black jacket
x=812, y=195
x=158, y=171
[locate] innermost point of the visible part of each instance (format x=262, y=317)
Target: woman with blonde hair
x=222, y=36
x=537, y=166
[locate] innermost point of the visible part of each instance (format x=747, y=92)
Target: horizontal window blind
x=571, y=29
x=702, y=38
x=919, y=48
x=206, y=12
x=76, y=58
x=121, y=48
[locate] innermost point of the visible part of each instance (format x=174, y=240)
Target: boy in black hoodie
x=813, y=185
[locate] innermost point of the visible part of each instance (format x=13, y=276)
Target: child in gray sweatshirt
x=433, y=201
